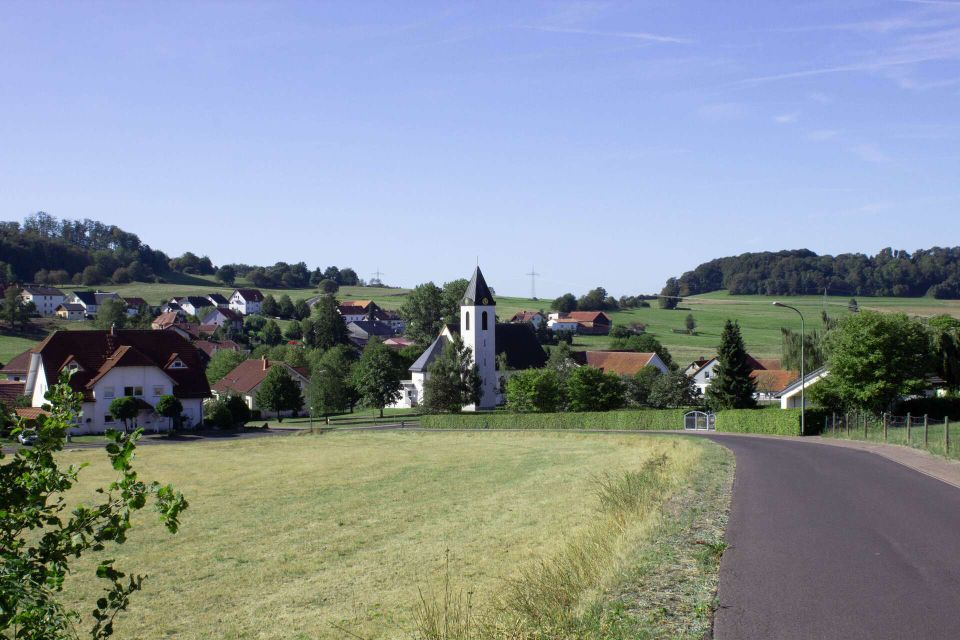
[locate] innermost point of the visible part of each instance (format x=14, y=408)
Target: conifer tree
x=732, y=387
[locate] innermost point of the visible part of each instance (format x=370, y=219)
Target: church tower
x=478, y=328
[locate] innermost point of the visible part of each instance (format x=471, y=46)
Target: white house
x=142, y=364
x=536, y=318
x=790, y=395
x=246, y=301
x=246, y=378
x=71, y=311
x=487, y=339
x=563, y=325
x=90, y=300
x=45, y=299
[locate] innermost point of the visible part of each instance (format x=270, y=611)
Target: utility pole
x=377, y=276
x=533, y=282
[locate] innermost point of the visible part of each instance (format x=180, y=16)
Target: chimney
x=113, y=328
x=264, y=363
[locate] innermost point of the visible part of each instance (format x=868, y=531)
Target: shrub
x=935, y=408
x=535, y=390
x=590, y=389
x=625, y=420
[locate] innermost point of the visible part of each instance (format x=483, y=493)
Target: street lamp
x=803, y=346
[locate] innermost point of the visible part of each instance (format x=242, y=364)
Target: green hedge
x=771, y=421
x=639, y=419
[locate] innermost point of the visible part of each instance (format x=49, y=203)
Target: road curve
x=830, y=542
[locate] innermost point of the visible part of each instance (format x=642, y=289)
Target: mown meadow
x=400, y=535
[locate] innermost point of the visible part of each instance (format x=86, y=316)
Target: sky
x=609, y=144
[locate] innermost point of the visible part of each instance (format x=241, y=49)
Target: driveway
x=831, y=542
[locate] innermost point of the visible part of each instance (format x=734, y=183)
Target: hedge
x=638, y=419
x=771, y=421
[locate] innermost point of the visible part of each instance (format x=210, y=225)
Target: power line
x=377, y=275
x=533, y=282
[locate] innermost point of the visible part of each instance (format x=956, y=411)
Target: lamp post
x=803, y=347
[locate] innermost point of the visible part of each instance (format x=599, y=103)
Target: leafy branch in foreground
x=39, y=537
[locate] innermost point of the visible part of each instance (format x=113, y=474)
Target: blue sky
x=607, y=143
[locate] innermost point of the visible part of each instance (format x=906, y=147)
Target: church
x=514, y=345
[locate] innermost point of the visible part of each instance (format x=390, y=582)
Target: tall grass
x=547, y=597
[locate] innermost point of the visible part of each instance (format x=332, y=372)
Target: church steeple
x=478, y=293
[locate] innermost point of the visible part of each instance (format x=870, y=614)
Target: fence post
x=884, y=427
x=864, y=426
x=826, y=424
x=926, y=430
x=946, y=436
x=833, y=426
x=908, y=429
x=846, y=424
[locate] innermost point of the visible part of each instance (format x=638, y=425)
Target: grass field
x=759, y=320
x=318, y=536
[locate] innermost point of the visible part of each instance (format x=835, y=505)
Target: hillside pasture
x=361, y=534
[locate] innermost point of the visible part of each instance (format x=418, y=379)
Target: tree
x=227, y=275
x=453, y=380
x=271, y=334
x=452, y=298
x=125, y=409
x=669, y=295
x=565, y=303
x=561, y=361
x=643, y=343
x=673, y=390
x=112, y=313
x=34, y=566
x=326, y=328
x=590, y=389
x=301, y=309
x=294, y=331
x=853, y=306
x=285, y=305
x=91, y=276
x=732, y=387
x=423, y=312
x=535, y=390
x=279, y=392
x=269, y=306
x=329, y=287
x=376, y=376
x=945, y=347
x=15, y=311
x=331, y=389
x=222, y=362
x=593, y=300
x=171, y=408
x=691, y=324
x=874, y=359
x=639, y=386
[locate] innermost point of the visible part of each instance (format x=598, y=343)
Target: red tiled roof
x=10, y=391
x=773, y=380
x=98, y=351
x=135, y=302
x=356, y=303
x=588, y=316
x=31, y=413
x=165, y=320
x=769, y=363
x=525, y=316
x=19, y=364
x=248, y=374
x=624, y=363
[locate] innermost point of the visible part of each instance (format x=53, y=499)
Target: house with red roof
x=622, y=363
x=105, y=365
x=246, y=378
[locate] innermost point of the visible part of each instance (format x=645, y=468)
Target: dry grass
x=325, y=536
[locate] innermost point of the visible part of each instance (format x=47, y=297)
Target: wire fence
x=939, y=436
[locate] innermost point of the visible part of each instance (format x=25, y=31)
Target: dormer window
x=177, y=364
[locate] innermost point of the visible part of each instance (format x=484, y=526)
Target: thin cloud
x=787, y=118
x=820, y=135
x=629, y=35
x=870, y=153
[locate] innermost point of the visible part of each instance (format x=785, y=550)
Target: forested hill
x=46, y=250
x=934, y=272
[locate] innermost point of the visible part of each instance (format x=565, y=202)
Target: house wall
x=704, y=377
x=153, y=382
x=46, y=305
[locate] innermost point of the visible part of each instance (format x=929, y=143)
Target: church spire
x=478, y=293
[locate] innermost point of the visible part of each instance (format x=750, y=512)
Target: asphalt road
x=829, y=542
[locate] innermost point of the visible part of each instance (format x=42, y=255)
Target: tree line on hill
x=891, y=272
x=46, y=250
x=598, y=300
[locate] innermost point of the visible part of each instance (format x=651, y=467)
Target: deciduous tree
x=453, y=381
x=376, y=376
x=279, y=392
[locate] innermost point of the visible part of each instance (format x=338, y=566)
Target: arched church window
x=466, y=322
x=483, y=321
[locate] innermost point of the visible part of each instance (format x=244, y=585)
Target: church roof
x=517, y=341
x=477, y=291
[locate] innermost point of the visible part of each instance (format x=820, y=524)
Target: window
x=108, y=418
x=133, y=391
x=108, y=392
x=157, y=391
x=467, y=321
x=483, y=321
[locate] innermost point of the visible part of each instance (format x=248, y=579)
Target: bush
x=770, y=421
x=935, y=408
x=626, y=420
